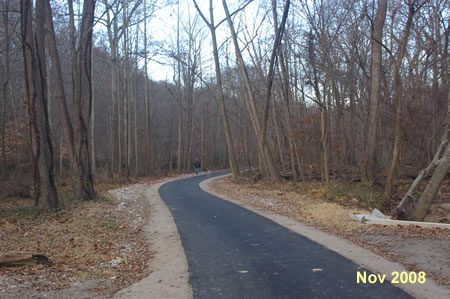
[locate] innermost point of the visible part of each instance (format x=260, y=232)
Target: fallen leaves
x=391, y=242
x=92, y=241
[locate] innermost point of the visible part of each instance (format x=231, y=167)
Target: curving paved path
x=235, y=253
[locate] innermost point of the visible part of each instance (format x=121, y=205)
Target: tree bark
x=286, y=105
x=20, y=258
x=136, y=135
x=125, y=88
x=6, y=63
x=92, y=120
x=406, y=206
x=59, y=83
x=368, y=163
x=33, y=46
x=398, y=100
x=82, y=64
x=277, y=134
x=219, y=89
x=433, y=186
x=147, y=100
x=260, y=126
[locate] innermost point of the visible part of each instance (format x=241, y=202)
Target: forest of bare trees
x=301, y=89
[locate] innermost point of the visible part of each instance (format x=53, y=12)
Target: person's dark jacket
x=197, y=164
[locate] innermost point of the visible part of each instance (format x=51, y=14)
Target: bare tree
x=219, y=87
x=76, y=131
x=33, y=45
x=398, y=97
x=6, y=86
x=260, y=125
x=368, y=158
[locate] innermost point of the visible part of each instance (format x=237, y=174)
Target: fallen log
x=287, y=175
x=20, y=258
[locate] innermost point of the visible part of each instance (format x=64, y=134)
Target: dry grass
x=327, y=207
x=309, y=202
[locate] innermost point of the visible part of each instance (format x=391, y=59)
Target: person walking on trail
x=197, y=166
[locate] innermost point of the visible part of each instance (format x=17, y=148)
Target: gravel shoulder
x=394, y=251
x=169, y=276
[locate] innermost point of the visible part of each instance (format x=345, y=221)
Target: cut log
x=20, y=258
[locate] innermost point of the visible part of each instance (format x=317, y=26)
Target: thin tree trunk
x=82, y=64
x=219, y=90
x=147, y=100
x=92, y=126
x=61, y=150
x=180, y=131
x=260, y=127
x=368, y=163
x=59, y=83
x=277, y=133
x=136, y=137
x=33, y=46
x=286, y=95
x=3, y=167
x=398, y=100
x=126, y=92
x=171, y=143
x=202, y=138
x=180, y=111
x=324, y=144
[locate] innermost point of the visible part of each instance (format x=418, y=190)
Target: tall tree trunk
x=3, y=166
x=324, y=144
x=283, y=62
x=172, y=134
x=59, y=83
x=368, y=163
x=136, y=135
x=277, y=134
x=82, y=64
x=260, y=126
x=179, y=108
x=113, y=36
x=33, y=46
x=398, y=100
x=219, y=89
x=147, y=100
x=180, y=138
x=126, y=112
x=92, y=127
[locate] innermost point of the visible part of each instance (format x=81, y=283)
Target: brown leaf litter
x=95, y=247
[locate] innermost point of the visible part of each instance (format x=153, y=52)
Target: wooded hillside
x=353, y=90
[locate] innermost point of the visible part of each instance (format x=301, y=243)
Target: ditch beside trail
x=235, y=253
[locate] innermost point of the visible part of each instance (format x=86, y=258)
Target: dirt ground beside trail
x=96, y=248
x=418, y=249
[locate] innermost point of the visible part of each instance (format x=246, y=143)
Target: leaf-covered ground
x=417, y=248
x=95, y=247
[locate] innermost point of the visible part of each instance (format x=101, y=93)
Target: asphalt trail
x=235, y=253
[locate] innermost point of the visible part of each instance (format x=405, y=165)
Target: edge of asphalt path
x=169, y=277
x=351, y=251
